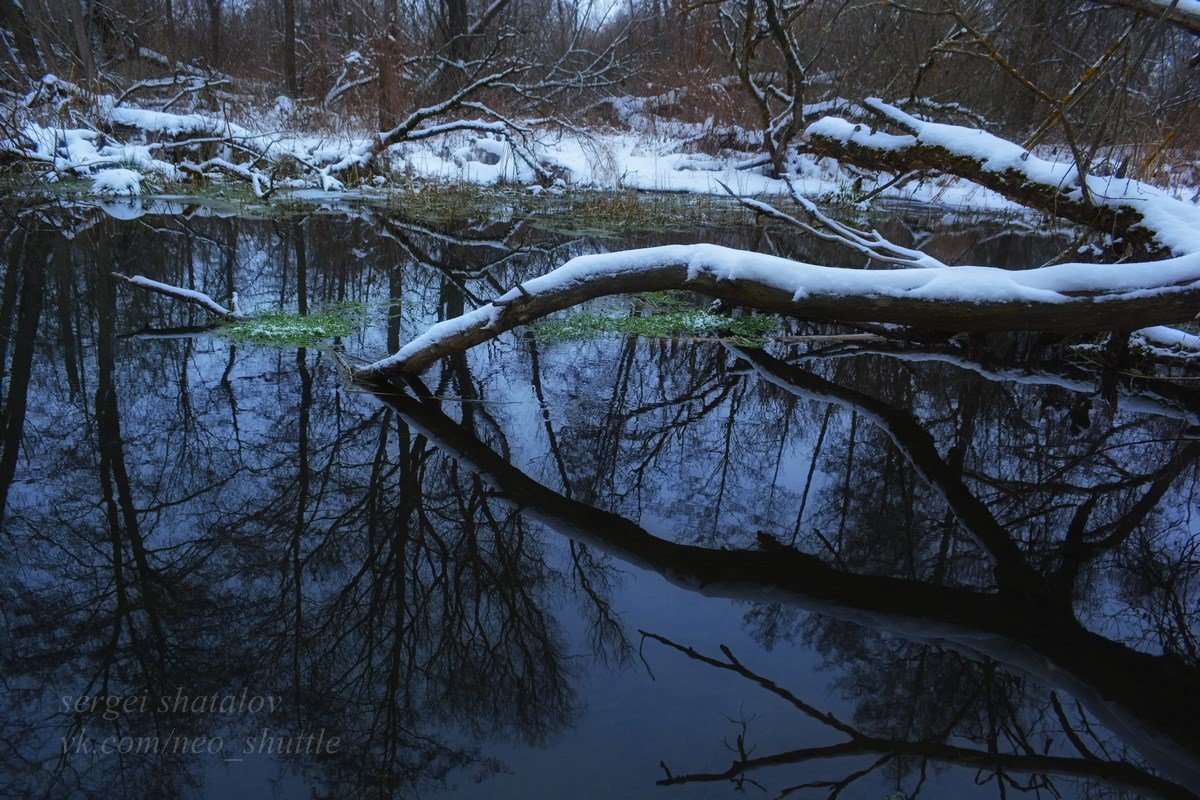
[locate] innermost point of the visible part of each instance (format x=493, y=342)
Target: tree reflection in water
x=190, y=514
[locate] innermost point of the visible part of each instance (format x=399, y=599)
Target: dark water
x=587, y=567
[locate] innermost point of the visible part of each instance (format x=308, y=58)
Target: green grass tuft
x=750, y=329
x=286, y=329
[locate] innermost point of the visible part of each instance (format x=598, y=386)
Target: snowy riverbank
x=132, y=151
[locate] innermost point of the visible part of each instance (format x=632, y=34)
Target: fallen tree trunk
x=1064, y=299
x=1145, y=216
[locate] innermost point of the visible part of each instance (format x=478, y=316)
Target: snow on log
x=1064, y=298
x=1183, y=13
x=1145, y=215
x=117, y=181
x=1168, y=343
x=186, y=295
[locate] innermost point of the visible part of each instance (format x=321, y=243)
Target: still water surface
x=586, y=567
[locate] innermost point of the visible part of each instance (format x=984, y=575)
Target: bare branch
x=186, y=295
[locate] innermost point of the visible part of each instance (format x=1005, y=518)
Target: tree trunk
x=289, y=48
x=16, y=401
x=456, y=42
x=172, y=41
x=214, y=32
x=14, y=20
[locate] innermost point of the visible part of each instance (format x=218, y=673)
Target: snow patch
x=117, y=181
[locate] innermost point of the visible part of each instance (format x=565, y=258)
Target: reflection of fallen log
x=1033, y=632
x=1024, y=761
x=1064, y=298
x=168, y=334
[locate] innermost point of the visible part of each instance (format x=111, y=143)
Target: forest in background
x=1114, y=82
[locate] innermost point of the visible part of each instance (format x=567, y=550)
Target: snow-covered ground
x=150, y=150
x=146, y=150
x=663, y=163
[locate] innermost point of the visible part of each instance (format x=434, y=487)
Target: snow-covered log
x=1157, y=340
x=1144, y=215
x=186, y=295
x=260, y=183
x=1064, y=298
x=155, y=57
x=181, y=84
x=1168, y=343
x=1182, y=13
